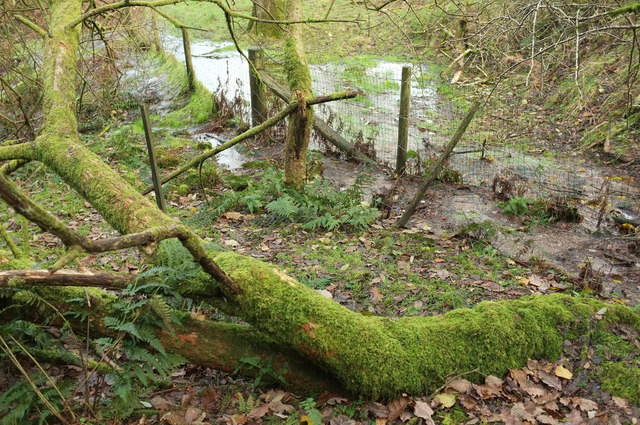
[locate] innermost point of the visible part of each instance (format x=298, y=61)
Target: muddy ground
x=604, y=257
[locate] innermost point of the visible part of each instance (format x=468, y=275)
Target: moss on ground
x=621, y=380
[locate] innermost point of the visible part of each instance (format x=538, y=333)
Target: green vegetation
x=423, y=308
x=317, y=206
x=131, y=326
x=621, y=380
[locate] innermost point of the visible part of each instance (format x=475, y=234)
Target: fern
x=25, y=296
x=253, y=202
x=318, y=207
x=19, y=403
x=326, y=221
x=285, y=207
x=160, y=307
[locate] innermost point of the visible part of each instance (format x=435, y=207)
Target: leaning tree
x=324, y=344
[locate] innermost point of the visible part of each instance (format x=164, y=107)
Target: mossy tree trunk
x=299, y=79
x=374, y=357
x=272, y=10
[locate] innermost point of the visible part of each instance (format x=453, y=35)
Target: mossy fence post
x=155, y=172
x=258, y=89
x=403, y=120
x=186, y=43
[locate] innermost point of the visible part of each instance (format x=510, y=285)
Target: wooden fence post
x=186, y=43
x=437, y=167
x=155, y=172
x=258, y=92
x=403, y=120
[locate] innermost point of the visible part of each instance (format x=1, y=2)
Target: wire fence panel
x=495, y=151
x=486, y=155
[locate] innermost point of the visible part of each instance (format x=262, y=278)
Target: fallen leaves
x=563, y=372
x=424, y=411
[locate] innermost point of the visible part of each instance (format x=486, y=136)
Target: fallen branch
x=438, y=166
x=250, y=133
x=319, y=125
x=13, y=196
x=65, y=278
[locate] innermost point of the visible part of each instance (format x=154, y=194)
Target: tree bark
x=374, y=357
x=272, y=10
x=299, y=79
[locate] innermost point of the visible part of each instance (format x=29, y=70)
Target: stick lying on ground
x=438, y=166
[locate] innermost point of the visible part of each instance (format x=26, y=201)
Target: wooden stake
x=186, y=43
x=155, y=172
x=403, y=120
x=258, y=92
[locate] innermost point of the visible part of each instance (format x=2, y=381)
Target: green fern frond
x=160, y=307
x=25, y=296
x=285, y=206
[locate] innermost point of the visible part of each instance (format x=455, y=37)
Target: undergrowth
x=318, y=206
x=129, y=335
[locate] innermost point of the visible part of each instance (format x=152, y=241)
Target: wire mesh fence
x=486, y=155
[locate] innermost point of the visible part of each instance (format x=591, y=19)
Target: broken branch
x=65, y=278
x=438, y=166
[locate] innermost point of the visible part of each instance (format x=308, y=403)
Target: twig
x=31, y=25
x=577, y=55
x=533, y=41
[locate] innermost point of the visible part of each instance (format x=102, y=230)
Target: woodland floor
x=459, y=250
x=442, y=261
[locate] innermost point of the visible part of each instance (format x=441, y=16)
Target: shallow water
x=373, y=117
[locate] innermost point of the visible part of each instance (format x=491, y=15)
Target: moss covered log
x=222, y=346
x=370, y=356
x=381, y=357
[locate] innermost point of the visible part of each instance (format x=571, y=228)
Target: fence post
x=403, y=120
x=155, y=172
x=186, y=43
x=258, y=90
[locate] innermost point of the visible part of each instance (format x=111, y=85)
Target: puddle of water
x=224, y=70
x=230, y=158
x=221, y=71
x=217, y=68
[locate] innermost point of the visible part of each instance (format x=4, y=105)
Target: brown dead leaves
x=541, y=393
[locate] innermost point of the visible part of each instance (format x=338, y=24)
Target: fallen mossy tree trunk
x=373, y=357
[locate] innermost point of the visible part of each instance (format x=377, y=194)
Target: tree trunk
x=299, y=79
x=374, y=357
x=272, y=10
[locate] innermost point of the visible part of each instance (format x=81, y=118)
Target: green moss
x=380, y=358
x=208, y=175
x=167, y=158
x=9, y=262
x=182, y=190
x=237, y=182
x=454, y=417
x=622, y=381
x=297, y=71
x=256, y=165
x=609, y=345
